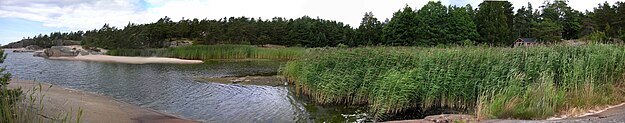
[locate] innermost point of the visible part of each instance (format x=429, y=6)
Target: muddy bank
x=95, y=108
x=273, y=80
x=129, y=60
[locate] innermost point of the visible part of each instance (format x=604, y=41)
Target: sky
x=27, y=18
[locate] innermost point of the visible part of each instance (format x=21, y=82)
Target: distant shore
x=95, y=108
x=129, y=60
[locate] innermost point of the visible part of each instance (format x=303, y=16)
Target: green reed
x=208, y=52
x=524, y=83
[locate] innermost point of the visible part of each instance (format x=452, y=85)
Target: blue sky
x=15, y=28
x=27, y=18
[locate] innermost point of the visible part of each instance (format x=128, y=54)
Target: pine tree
x=494, y=22
x=370, y=30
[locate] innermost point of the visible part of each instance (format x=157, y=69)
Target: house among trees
x=525, y=42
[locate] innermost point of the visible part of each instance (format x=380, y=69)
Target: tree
x=605, y=18
x=494, y=22
x=370, y=30
x=400, y=30
x=432, y=21
x=547, y=30
x=523, y=21
x=569, y=19
x=460, y=25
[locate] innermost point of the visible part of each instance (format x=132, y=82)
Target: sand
x=129, y=60
x=96, y=108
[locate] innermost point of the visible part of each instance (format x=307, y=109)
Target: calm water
x=171, y=88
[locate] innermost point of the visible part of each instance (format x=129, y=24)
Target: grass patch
x=208, y=52
x=522, y=83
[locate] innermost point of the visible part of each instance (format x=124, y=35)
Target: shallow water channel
x=175, y=89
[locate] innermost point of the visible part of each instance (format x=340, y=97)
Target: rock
x=450, y=118
x=39, y=54
x=23, y=50
x=82, y=53
x=60, y=51
x=33, y=47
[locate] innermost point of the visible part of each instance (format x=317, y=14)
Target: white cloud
x=92, y=14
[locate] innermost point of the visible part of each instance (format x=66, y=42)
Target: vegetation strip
x=523, y=83
x=208, y=52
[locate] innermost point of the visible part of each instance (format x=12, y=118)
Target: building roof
x=530, y=40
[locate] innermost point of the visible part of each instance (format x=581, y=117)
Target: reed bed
x=208, y=52
x=522, y=83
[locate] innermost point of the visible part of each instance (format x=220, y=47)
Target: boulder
x=39, y=54
x=60, y=51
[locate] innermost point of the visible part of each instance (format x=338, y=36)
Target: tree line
x=493, y=23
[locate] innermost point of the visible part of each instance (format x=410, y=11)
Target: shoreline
x=128, y=60
x=95, y=108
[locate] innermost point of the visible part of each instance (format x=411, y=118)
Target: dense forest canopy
x=492, y=23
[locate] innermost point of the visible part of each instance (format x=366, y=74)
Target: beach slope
x=95, y=108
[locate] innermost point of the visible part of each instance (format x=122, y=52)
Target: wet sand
x=95, y=108
x=129, y=60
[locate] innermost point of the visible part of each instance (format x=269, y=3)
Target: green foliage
x=542, y=80
x=432, y=24
x=524, y=19
x=400, y=31
x=494, y=21
x=8, y=97
x=460, y=26
x=208, y=52
x=597, y=37
x=564, y=15
x=547, y=31
x=369, y=32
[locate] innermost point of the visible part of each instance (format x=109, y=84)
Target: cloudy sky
x=24, y=18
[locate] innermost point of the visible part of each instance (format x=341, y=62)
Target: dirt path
x=96, y=108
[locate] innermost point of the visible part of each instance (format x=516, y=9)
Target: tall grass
x=28, y=107
x=524, y=83
x=207, y=52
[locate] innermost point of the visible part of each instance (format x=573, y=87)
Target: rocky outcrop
x=68, y=51
x=33, y=47
x=60, y=51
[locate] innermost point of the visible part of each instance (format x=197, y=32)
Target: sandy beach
x=129, y=60
x=96, y=108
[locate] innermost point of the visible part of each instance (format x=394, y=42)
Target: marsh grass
x=523, y=83
x=208, y=52
x=28, y=107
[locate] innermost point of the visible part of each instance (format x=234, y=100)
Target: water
x=171, y=88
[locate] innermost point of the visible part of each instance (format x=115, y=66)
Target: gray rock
x=60, y=51
x=33, y=47
x=82, y=53
x=39, y=54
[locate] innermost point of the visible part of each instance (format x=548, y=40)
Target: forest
x=491, y=23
